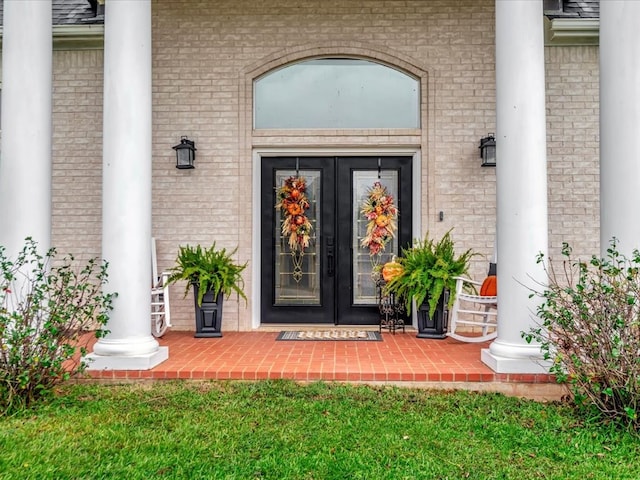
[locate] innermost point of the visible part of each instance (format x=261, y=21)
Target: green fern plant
x=429, y=268
x=210, y=268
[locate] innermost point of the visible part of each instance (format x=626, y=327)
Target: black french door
x=330, y=282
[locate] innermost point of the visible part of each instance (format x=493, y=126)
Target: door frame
x=258, y=153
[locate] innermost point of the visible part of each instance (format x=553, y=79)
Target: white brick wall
x=205, y=54
x=77, y=152
x=572, y=146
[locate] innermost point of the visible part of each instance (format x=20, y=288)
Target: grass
x=282, y=430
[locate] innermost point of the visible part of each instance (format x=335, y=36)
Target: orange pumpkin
x=489, y=287
x=391, y=270
x=294, y=209
x=382, y=221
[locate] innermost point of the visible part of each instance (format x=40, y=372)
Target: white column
x=521, y=180
x=25, y=164
x=619, y=124
x=126, y=204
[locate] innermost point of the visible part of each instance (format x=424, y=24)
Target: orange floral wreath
x=379, y=210
x=293, y=202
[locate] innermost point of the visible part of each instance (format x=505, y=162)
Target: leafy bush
x=590, y=330
x=46, y=309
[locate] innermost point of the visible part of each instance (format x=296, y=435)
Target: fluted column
x=25, y=163
x=521, y=180
x=619, y=124
x=126, y=205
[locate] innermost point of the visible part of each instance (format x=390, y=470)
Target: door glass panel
x=292, y=286
x=364, y=291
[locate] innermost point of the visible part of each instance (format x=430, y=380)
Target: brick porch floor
x=400, y=359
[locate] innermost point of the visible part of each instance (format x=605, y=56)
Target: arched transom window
x=336, y=93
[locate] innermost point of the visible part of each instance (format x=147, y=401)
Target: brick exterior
x=573, y=148
x=205, y=55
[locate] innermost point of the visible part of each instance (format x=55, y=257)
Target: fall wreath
x=293, y=202
x=381, y=213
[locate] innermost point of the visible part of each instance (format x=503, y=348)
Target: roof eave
x=572, y=31
x=76, y=37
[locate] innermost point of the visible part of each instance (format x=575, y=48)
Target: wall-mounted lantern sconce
x=185, y=153
x=488, y=151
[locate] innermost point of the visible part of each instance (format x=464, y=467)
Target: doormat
x=331, y=335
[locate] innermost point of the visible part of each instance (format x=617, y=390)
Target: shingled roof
x=73, y=12
x=572, y=8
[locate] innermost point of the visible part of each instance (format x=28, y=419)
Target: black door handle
x=330, y=257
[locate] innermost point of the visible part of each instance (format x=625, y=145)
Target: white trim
x=257, y=155
x=572, y=31
x=78, y=30
x=532, y=364
x=83, y=37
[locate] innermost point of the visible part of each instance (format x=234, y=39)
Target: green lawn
x=282, y=430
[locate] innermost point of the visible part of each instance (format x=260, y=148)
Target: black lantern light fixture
x=488, y=151
x=185, y=153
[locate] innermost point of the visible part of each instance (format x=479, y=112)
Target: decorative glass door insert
x=364, y=291
x=297, y=271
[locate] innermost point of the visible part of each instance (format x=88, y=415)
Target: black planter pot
x=434, y=327
x=208, y=315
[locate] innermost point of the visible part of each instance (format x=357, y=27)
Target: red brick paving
x=257, y=355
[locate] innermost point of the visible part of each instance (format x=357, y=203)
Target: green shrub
x=46, y=309
x=590, y=330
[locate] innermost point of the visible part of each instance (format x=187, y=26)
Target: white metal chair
x=473, y=317
x=160, y=311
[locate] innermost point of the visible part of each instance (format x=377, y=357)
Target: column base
x=127, y=362
x=498, y=364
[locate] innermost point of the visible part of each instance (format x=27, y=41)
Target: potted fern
x=427, y=281
x=213, y=274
